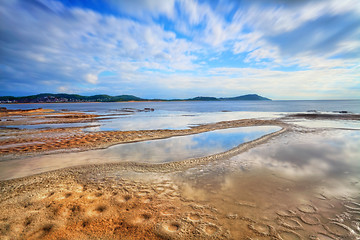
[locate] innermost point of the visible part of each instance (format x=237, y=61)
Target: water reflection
x=298, y=185
x=327, y=154
x=165, y=120
x=141, y=120
x=330, y=157
x=342, y=124
x=155, y=151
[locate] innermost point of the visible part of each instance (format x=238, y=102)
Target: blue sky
x=281, y=49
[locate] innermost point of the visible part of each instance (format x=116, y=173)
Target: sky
x=281, y=49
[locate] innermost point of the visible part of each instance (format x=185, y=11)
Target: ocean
x=206, y=106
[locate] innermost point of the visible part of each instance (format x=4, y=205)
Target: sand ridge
x=327, y=116
x=44, y=116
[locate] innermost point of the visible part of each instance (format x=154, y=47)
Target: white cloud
x=70, y=46
x=91, y=78
x=275, y=19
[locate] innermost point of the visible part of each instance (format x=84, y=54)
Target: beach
x=180, y=119
x=286, y=183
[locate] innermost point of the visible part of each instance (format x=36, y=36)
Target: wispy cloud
x=180, y=48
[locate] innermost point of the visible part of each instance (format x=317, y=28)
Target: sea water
x=181, y=115
x=205, y=106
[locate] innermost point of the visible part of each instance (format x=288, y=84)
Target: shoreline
x=157, y=201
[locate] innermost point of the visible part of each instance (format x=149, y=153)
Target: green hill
x=63, y=97
x=203, y=99
x=248, y=97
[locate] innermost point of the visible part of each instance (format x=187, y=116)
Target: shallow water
x=174, y=120
x=348, y=124
x=154, y=151
x=181, y=115
x=298, y=186
x=146, y=120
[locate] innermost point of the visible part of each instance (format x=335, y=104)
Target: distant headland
x=63, y=98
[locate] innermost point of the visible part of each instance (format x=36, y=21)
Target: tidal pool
x=165, y=120
x=158, y=119
x=154, y=151
x=295, y=187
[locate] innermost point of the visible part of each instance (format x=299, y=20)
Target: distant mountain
x=248, y=97
x=203, y=99
x=63, y=97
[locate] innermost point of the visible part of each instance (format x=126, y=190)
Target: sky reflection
x=154, y=151
x=307, y=175
x=174, y=120
x=332, y=153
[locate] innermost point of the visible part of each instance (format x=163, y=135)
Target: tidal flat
x=265, y=177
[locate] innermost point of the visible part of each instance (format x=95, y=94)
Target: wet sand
x=21, y=167
x=202, y=198
x=202, y=202
x=335, y=116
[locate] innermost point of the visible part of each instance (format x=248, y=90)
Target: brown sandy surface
x=335, y=116
x=6, y=112
x=177, y=200
x=69, y=205
x=110, y=203
x=43, y=116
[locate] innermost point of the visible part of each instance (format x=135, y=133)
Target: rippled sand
x=105, y=208
x=118, y=204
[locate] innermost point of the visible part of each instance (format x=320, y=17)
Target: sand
x=98, y=202
x=327, y=116
x=64, y=206
x=174, y=200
